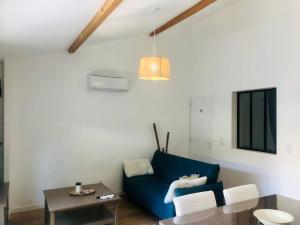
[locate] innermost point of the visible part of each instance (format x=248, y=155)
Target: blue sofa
x=149, y=190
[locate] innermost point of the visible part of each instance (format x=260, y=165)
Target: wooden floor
x=129, y=214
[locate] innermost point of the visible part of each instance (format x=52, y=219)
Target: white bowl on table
x=273, y=217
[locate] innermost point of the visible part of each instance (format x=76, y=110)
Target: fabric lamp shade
x=154, y=68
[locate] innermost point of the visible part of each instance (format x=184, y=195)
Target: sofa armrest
x=217, y=188
x=125, y=180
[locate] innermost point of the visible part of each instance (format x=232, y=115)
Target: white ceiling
x=35, y=26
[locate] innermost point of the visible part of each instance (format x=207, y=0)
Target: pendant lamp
x=154, y=67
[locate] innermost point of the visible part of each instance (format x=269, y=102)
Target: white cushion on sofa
x=183, y=183
x=137, y=167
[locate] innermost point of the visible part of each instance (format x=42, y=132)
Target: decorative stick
x=167, y=142
x=156, y=136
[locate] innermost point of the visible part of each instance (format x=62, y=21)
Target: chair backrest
x=194, y=202
x=240, y=194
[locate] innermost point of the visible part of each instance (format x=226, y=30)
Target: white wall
x=249, y=45
x=57, y=132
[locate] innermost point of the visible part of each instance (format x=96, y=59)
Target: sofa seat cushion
x=150, y=191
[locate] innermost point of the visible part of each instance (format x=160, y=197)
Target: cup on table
x=78, y=187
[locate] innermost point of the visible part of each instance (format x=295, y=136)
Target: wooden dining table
x=239, y=213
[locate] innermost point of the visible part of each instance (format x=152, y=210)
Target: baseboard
x=25, y=208
x=122, y=194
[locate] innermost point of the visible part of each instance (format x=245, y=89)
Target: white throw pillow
x=183, y=183
x=137, y=167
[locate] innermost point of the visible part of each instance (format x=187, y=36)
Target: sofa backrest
x=170, y=167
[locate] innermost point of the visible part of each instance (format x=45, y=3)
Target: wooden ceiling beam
x=184, y=15
x=106, y=9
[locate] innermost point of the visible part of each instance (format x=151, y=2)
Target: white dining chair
x=194, y=202
x=240, y=193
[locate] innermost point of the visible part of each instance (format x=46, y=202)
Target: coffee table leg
x=46, y=212
x=52, y=218
x=116, y=214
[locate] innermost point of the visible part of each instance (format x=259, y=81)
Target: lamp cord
x=154, y=42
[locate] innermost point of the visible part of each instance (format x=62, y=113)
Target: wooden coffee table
x=63, y=209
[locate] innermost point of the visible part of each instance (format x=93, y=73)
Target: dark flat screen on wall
x=256, y=120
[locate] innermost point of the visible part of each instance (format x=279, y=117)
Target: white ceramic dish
x=273, y=217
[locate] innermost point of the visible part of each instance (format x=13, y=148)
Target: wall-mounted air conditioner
x=106, y=83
